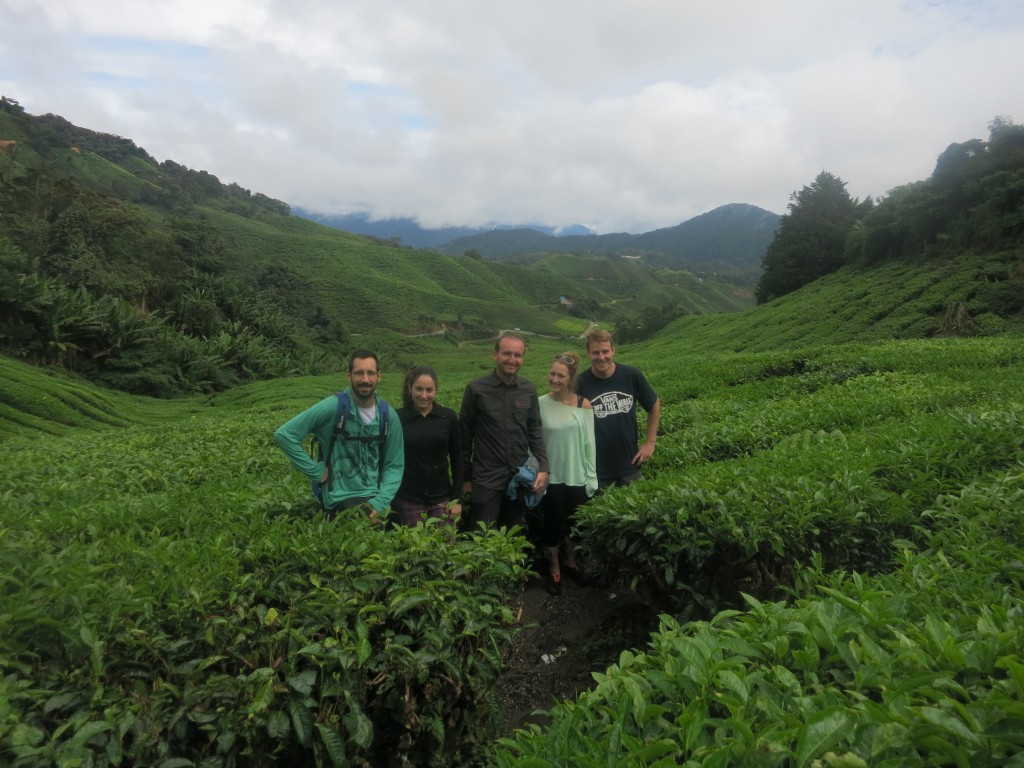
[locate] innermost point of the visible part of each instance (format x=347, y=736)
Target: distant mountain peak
x=735, y=234
x=732, y=237
x=409, y=232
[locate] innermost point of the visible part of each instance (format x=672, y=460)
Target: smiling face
x=423, y=391
x=508, y=357
x=558, y=379
x=601, y=354
x=364, y=377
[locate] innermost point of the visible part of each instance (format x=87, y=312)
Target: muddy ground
x=562, y=640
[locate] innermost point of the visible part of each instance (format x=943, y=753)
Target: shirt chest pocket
x=521, y=408
x=515, y=408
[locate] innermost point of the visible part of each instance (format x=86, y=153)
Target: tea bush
x=168, y=599
x=918, y=666
x=835, y=452
x=833, y=534
x=848, y=521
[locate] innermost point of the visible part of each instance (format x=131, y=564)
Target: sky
x=620, y=116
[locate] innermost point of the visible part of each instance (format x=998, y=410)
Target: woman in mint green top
x=567, y=420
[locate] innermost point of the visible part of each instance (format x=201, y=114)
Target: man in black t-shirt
x=615, y=390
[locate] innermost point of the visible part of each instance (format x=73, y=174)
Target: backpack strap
x=339, y=427
x=383, y=419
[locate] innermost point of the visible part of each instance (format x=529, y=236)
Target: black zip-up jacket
x=500, y=429
x=433, y=443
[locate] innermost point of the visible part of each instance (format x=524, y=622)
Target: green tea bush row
x=891, y=300
x=899, y=657
x=699, y=537
x=729, y=428
x=918, y=666
x=168, y=597
x=34, y=400
x=741, y=404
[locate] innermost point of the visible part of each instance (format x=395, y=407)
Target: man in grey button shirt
x=501, y=428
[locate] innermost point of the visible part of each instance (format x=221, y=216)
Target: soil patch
x=562, y=640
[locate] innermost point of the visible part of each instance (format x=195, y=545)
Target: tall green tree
x=973, y=201
x=810, y=239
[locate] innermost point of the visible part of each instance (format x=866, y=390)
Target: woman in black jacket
x=433, y=453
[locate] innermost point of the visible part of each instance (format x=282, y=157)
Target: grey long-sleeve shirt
x=500, y=428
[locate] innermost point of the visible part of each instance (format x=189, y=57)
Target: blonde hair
x=572, y=362
x=599, y=336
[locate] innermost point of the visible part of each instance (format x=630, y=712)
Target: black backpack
x=383, y=418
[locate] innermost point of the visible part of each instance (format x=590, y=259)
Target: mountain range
x=729, y=238
x=407, y=231
x=735, y=235
x=160, y=279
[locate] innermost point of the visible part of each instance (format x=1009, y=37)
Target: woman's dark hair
x=410, y=379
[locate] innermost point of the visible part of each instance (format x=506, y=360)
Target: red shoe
x=554, y=584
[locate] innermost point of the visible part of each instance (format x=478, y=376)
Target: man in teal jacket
x=361, y=470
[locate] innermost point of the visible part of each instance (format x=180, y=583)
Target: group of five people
x=423, y=460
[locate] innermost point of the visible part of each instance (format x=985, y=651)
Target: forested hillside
x=158, y=279
x=971, y=206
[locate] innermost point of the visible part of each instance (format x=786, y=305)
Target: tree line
x=973, y=202
x=111, y=267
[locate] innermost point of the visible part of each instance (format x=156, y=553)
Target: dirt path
x=562, y=640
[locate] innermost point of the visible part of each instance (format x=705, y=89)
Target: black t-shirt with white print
x=615, y=425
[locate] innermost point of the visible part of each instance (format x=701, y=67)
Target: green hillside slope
x=894, y=300
x=616, y=281
x=36, y=401
x=159, y=279
x=367, y=285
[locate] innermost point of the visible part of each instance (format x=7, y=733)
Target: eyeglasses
x=567, y=359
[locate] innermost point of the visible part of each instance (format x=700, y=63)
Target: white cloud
x=621, y=116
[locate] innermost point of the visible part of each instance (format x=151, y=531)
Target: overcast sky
x=622, y=116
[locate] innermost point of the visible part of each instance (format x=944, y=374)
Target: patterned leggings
x=411, y=513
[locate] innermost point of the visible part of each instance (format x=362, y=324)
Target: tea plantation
x=836, y=539
x=833, y=534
